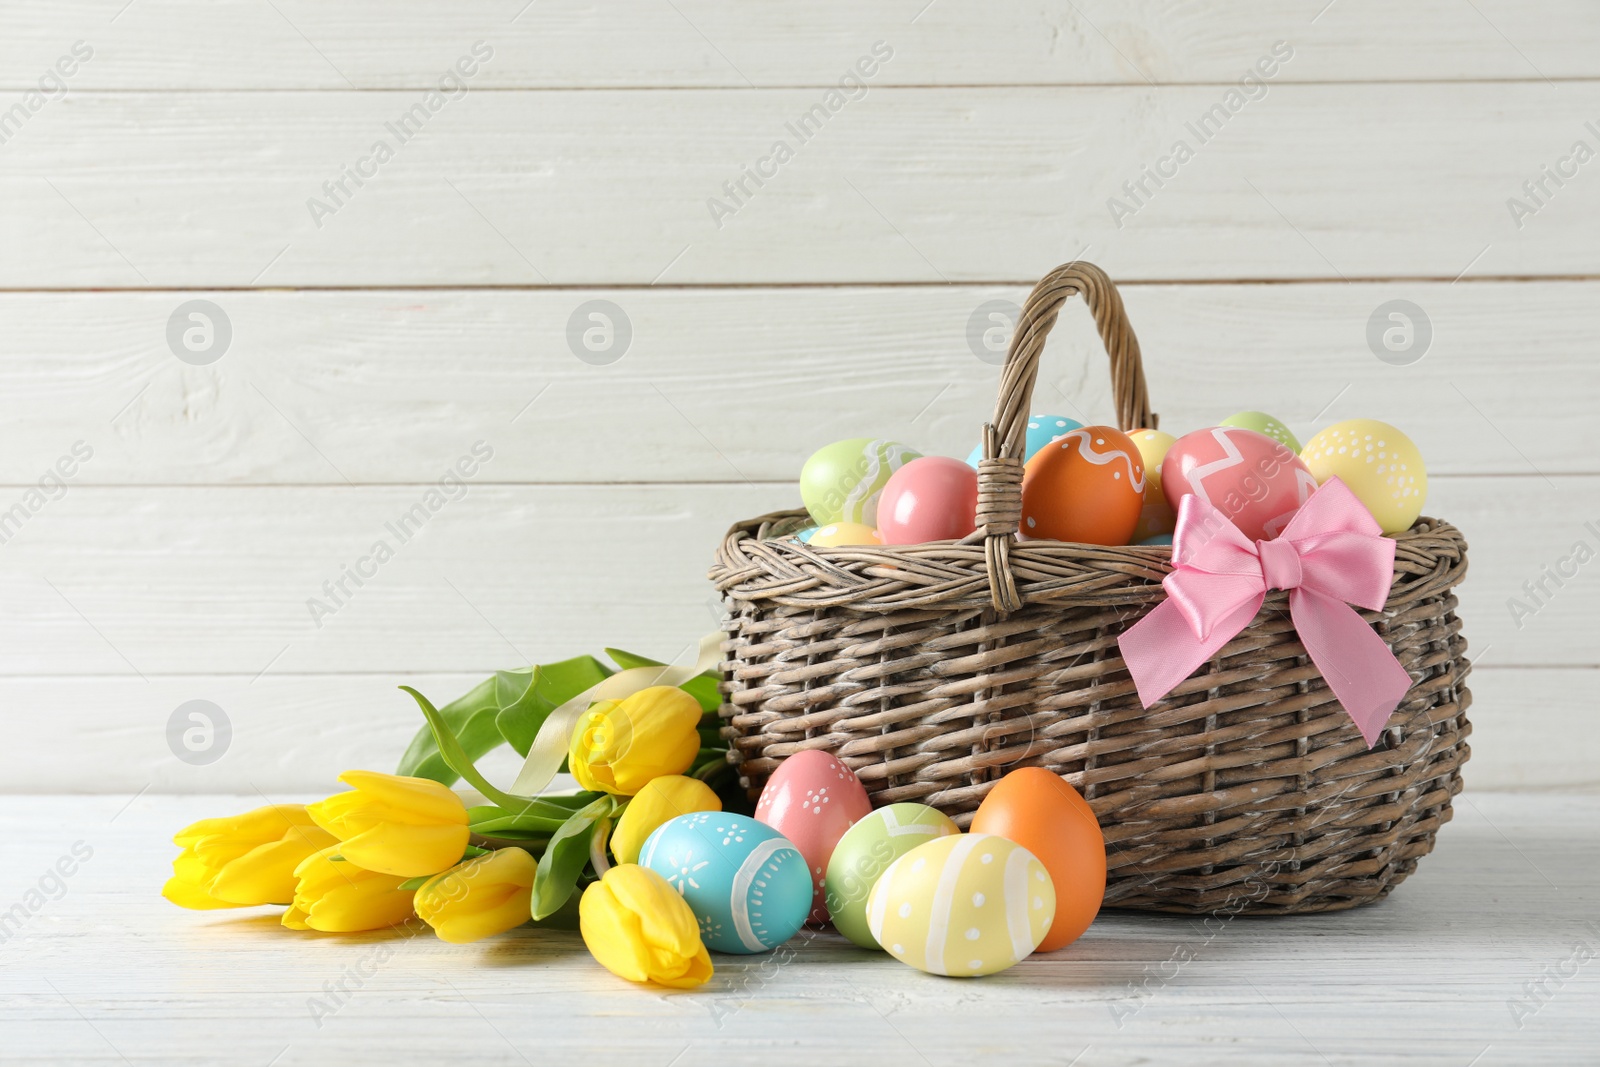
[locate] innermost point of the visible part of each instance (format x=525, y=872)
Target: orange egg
x=1087, y=486
x=1041, y=812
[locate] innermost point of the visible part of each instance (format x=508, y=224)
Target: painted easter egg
x=1156, y=539
x=812, y=799
x=1086, y=487
x=838, y=534
x=1156, y=516
x=1049, y=818
x=865, y=852
x=1255, y=481
x=965, y=905
x=1261, y=422
x=747, y=885
x=934, y=498
x=804, y=536
x=841, y=482
x=1042, y=429
x=1379, y=464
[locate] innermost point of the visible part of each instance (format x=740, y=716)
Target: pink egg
x=934, y=498
x=812, y=799
x=1253, y=480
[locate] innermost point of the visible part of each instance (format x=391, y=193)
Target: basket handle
x=1005, y=436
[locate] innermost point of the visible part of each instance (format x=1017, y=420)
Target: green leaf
x=507, y=706
x=545, y=817
x=567, y=856
x=702, y=687
x=566, y=916
x=531, y=822
x=531, y=843
x=458, y=760
x=528, y=697
x=471, y=719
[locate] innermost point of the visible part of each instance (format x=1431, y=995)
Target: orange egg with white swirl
x=1088, y=487
x=1085, y=487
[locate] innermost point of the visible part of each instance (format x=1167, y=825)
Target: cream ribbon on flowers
x=549, y=748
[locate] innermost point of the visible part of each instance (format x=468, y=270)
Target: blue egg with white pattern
x=748, y=886
x=804, y=536
x=1042, y=429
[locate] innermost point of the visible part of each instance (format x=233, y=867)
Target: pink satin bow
x=1330, y=556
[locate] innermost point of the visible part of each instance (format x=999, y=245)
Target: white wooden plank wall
x=156, y=153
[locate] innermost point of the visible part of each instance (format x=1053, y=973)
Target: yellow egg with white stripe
x=963, y=905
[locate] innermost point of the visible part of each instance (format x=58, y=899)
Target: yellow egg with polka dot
x=1157, y=516
x=839, y=534
x=1379, y=464
x=963, y=905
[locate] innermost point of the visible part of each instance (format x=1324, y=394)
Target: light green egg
x=1261, y=422
x=842, y=481
x=865, y=851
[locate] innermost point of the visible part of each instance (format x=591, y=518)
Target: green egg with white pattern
x=842, y=481
x=1261, y=422
x=865, y=851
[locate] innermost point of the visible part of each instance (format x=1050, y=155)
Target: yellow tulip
x=339, y=897
x=661, y=799
x=242, y=860
x=619, y=745
x=480, y=897
x=394, y=825
x=640, y=929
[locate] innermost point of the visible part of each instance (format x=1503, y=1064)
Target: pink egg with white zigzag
x=1255, y=481
x=812, y=799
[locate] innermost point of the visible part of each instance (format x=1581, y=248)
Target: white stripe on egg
x=1017, y=903
x=739, y=898
x=944, y=900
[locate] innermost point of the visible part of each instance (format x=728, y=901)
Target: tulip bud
x=242, y=860
x=390, y=824
x=339, y=897
x=480, y=897
x=661, y=799
x=639, y=928
x=619, y=745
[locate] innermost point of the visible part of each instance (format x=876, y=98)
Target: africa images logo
x=802, y=129
x=1153, y=177
x=452, y=85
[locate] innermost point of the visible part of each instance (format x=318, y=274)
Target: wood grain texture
x=182, y=154
x=217, y=580
x=118, y=190
x=111, y=973
x=303, y=45
x=390, y=387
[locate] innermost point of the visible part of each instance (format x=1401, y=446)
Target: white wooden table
x=105, y=971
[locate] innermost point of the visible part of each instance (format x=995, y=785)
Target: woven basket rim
x=757, y=561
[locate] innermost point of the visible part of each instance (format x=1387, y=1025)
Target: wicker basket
x=934, y=669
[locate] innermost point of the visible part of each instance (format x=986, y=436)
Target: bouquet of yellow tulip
x=406, y=845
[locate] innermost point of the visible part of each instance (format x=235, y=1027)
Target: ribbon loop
x=1331, y=554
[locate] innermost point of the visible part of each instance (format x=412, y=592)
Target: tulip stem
x=597, y=847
